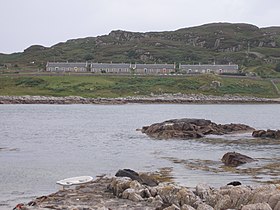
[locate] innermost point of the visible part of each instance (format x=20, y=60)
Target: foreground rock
x=124, y=193
x=273, y=134
x=191, y=128
x=234, y=159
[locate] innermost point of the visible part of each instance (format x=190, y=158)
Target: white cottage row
x=125, y=68
x=111, y=68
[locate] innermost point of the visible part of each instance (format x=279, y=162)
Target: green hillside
x=122, y=86
x=222, y=43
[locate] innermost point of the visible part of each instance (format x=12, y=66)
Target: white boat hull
x=75, y=180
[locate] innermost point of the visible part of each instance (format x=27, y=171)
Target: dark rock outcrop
x=142, y=178
x=128, y=173
x=273, y=134
x=234, y=159
x=191, y=128
x=234, y=183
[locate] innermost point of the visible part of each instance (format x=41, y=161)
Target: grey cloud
x=47, y=22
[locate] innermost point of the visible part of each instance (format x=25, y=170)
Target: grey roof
x=212, y=67
x=155, y=66
x=66, y=64
x=110, y=65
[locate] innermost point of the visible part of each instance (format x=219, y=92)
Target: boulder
x=272, y=134
x=257, y=206
x=119, y=185
x=168, y=193
x=186, y=197
x=274, y=200
x=148, y=179
x=266, y=194
x=234, y=159
x=203, y=190
x=187, y=207
x=172, y=207
x=132, y=195
x=204, y=206
x=259, y=133
x=223, y=203
x=191, y=128
x=234, y=183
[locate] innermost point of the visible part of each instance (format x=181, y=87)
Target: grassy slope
x=277, y=84
x=114, y=86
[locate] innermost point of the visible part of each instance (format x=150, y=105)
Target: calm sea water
x=41, y=144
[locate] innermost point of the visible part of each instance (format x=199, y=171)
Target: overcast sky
x=47, y=22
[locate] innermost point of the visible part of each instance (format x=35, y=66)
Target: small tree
x=88, y=57
x=277, y=68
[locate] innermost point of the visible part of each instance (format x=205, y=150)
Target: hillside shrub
x=277, y=68
x=30, y=82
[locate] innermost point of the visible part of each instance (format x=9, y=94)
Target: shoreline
x=128, y=191
x=154, y=99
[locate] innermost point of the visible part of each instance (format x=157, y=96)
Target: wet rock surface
x=124, y=193
x=234, y=159
x=273, y=134
x=191, y=128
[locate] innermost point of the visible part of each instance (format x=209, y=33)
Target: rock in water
x=234, y=159
x=191, y=128
x=272, y=134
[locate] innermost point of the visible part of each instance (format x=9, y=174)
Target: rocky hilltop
x=243, y=44
x=216, y=36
